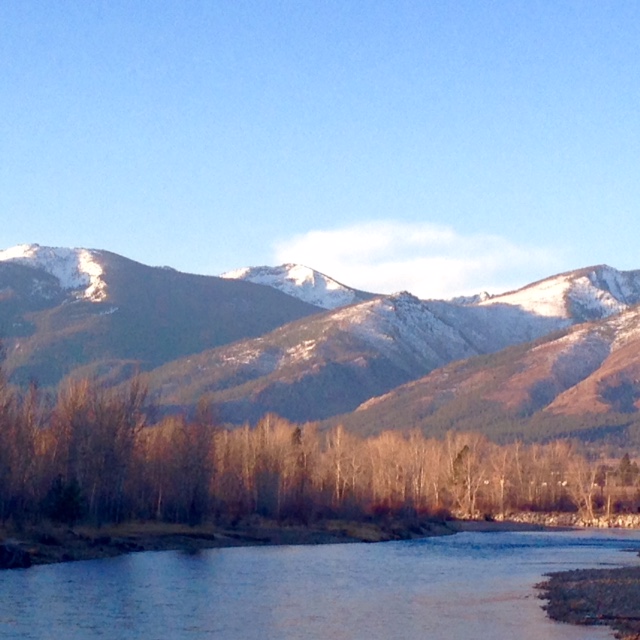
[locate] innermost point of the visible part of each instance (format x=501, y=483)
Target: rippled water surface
x=472, y=585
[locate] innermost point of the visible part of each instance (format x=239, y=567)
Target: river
x=474, y=586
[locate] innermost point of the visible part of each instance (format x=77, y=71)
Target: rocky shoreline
x=608, y=597
x=576, y=520
x=596, y=597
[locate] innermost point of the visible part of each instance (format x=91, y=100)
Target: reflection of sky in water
x=472, y=586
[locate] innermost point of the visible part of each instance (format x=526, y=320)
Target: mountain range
x=557, y=357
x=97, y=314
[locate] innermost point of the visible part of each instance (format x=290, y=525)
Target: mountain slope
x=303, y=283
x=582, y=379
x=61, y=309
x=330, y=363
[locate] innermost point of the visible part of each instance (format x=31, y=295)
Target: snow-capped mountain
x=316, y=367
x=585, y=294
x=301, y=282
x=249, y=344
x=322, y=365
x=435, y=332
x=64, y=309
x=77, y=270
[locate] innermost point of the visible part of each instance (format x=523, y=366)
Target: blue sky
x=439, y=147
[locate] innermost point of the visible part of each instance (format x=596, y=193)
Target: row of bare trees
x=93, y=454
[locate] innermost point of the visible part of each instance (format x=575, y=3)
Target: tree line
x=94, y=454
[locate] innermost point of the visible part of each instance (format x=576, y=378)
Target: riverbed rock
x=13, y=557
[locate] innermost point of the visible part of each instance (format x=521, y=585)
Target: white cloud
x=430, y=261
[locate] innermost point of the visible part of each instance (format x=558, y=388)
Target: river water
x=471, y=586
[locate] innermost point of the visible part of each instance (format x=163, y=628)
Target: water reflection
x=475, y=586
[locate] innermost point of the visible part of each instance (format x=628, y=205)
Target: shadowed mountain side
x=148, y=315
x=584, y=379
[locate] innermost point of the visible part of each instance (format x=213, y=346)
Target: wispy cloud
x=430, y=261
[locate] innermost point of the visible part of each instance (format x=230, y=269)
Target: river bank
x=599, y=596
x=608, y=597
x=47, y=544
x=596, y=597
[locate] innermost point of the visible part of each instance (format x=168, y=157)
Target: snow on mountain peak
x=586, y=294
x=545, y=298
x=75, y=269
x=299, y=281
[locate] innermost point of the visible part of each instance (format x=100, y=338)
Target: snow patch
x=626, y=327
x=546, y=298
x=75, y=269
x=620, y=284
x=301, y=352
x=108, y=312
x=405, y=329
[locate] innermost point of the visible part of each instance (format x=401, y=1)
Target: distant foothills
x=558, y=358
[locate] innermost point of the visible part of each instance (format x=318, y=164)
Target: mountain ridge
x=250, y=348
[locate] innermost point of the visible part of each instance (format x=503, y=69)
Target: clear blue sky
x=435, y=146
